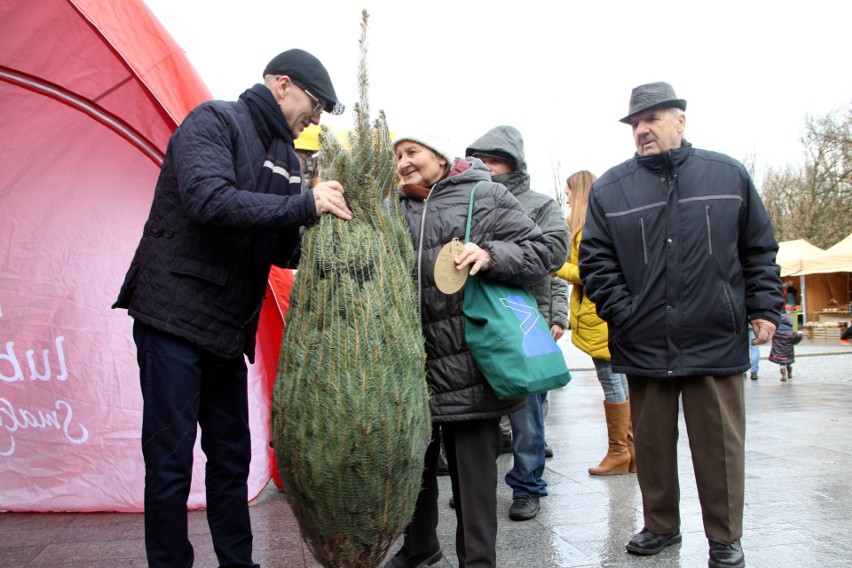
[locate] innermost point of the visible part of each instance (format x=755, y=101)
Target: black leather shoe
x=726, y=555
x=647, y=543
x=524, y=508
x=452, y=502
x=403, y=560
x=548, y=451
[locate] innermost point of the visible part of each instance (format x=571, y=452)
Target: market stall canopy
x=837, y=258
x=90, y=93
x=791, y=255
x=112, y=61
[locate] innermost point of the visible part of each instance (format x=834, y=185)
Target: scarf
x=281, y=173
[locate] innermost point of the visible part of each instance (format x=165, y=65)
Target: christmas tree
x=350, y=414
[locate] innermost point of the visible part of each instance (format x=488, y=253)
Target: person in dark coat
x=847, y=333
x=783, y=351
x=227, y=205
x=506, y=245
x=678, y=254
x=501, y=149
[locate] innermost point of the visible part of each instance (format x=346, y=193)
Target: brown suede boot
x=632, y=467
x=617, y=458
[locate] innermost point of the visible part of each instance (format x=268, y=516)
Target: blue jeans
x=614, y=384
x=754, y=351
x=528, y=448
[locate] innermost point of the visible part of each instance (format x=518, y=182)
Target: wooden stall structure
x=826, y=284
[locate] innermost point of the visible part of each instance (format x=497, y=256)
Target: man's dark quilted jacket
x=201, y=267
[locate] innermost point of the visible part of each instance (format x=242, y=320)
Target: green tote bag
x=509, y=339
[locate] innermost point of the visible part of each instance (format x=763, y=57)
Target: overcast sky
x=560, y=71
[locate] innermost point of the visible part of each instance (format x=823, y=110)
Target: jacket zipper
x=730, y=307
x=420, y=250
x=709, y=232
x=644, y=244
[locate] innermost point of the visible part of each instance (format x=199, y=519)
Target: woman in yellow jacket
x=590, y=334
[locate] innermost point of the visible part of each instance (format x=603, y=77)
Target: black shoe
x=647, y=543
x=726, y=555
x=524, y=508
x=753, y=376
x=548, y=451
x=403, y=560
x=452, y=502
x=506, y=445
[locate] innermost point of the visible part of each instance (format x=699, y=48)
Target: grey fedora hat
x=650, y=96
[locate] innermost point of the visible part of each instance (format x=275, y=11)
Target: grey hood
x=505, y=139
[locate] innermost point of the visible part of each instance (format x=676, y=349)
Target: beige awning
x=792, y=255
x=837, y=258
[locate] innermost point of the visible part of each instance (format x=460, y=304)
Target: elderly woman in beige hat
x=504, y=245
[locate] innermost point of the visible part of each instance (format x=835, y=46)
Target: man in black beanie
x=227, y=205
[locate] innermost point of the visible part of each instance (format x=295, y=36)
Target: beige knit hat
x=428, y=138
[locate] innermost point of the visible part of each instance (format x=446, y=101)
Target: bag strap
x=470, y=210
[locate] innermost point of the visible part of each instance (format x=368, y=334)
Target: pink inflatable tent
x=90, y=91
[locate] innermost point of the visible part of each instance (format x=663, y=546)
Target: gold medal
x=448, y=278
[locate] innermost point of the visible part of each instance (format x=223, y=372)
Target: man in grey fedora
x=679, y=256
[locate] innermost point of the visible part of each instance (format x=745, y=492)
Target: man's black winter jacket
x=678, y=254
x=201, y=267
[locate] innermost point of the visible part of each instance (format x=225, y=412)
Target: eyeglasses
x=319, y=106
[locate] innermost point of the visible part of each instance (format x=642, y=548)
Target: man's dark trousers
x=714, y=413
x=183, y=387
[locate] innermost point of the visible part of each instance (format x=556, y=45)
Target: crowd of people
x=671, y=260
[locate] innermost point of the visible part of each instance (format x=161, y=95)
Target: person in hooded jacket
x=847, y=333
x=591, y=335
x=783, y=350
x=227, y=205
x=678, y=254
x=501, y=149
x=506, y=245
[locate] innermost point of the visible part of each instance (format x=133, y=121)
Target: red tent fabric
x=269, y=336
x=90, y=91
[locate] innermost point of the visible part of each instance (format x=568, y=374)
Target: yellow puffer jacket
x=588, y=331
